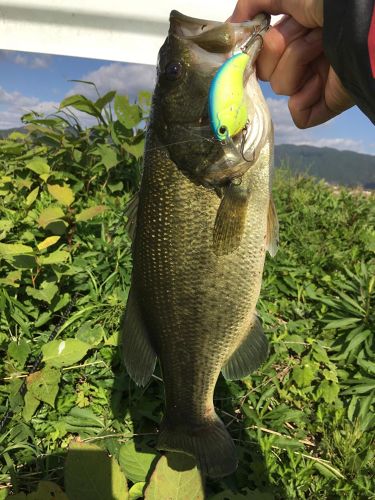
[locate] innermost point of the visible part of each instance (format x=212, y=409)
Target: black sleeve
x=349, y=43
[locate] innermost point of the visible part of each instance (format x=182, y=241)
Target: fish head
x=188, y=61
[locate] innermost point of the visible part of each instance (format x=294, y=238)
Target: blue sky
x=39, y=81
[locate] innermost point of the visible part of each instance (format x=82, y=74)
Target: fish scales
x=195, y=307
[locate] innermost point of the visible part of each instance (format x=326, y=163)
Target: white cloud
x=126, y=79
x=33, y=61
x=14, y=104
x=287, y=133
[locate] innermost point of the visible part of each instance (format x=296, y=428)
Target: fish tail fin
x=210, y=444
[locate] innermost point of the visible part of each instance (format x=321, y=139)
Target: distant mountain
x=337, y=167
x=345, y=168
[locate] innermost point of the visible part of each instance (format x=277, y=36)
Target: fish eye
x=173, y=70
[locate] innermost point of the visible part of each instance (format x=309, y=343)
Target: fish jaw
x=201, y=47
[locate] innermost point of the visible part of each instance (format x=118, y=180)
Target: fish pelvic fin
x=230, y=220
x=251, y=353
x=210, y=444
x=272, y=238
x=138, y=354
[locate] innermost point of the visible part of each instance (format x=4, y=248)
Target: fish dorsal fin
x=230, y=220
x=272, y=238
x=138, y=353
x=249, y=355
x=131, y=210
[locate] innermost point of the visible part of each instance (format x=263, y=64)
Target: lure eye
x=173, y=71
x=223, y=130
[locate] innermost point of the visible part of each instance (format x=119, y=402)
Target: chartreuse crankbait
x=226, y=103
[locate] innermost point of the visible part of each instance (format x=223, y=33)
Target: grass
x=303, y=424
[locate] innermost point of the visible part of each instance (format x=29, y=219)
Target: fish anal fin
x=249, y=355
x=138, y=354
x=272, y=237
x=230, y=220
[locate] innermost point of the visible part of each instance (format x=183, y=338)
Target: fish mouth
x=215, y=36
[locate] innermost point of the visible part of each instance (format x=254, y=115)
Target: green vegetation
x=303, y=424
x=338, y=167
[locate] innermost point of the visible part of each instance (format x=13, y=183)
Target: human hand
x=293, y=59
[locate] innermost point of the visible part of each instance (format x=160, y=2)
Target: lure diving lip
x=226, y=104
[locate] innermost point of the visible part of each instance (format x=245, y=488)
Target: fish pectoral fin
x=230, y=220
x=138, y=353
x=249, y=355
x=131, y=210
x=272, y=237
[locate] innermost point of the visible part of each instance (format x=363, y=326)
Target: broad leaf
x=44, y=384
x=90, y=213
x=49, y=215
x=46, y=292
x=136, y=460
x=90, y=474
x=10, y=250
x=57, y=257
x=38, y=165
x=58, y=353
x=47, y=242
x=128, y=114
x=175, y=476
x=63, y=194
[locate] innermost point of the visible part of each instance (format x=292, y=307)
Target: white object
x=117, y=30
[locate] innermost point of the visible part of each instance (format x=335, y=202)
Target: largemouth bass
x=204, y=218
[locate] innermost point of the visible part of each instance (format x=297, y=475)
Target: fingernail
x=314, y=35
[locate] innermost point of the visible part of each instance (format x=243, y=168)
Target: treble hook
x=244, y=133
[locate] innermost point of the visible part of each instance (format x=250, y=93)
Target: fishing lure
x=226, y=103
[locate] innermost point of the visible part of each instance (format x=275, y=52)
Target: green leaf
x=12, y=249
x=49, y=215
x=57, y=257
x=44, y=384
x=135, y=149
x=30, y=407
x=128, y=114
x=47, y=242
x=4, y=493
x=90, y=213
x=341, y=323
x=108, y=155
x=105, y=99
x=136, y=460
x=90, y=335
x=59, y=353
x=46, y=292
x=136, y=491
x=12, y=278
x=328, y=391
x=38, y=165
x=175, y=476
x=90, y=474
x=47, y=490
x=19, y=351
x=81, y=103
x=63, y=194
x=32, y=196
x=305, y=373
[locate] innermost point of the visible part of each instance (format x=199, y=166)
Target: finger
x=275, y=43
x=309, y=13
x=319, y=100
x=294, y=67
